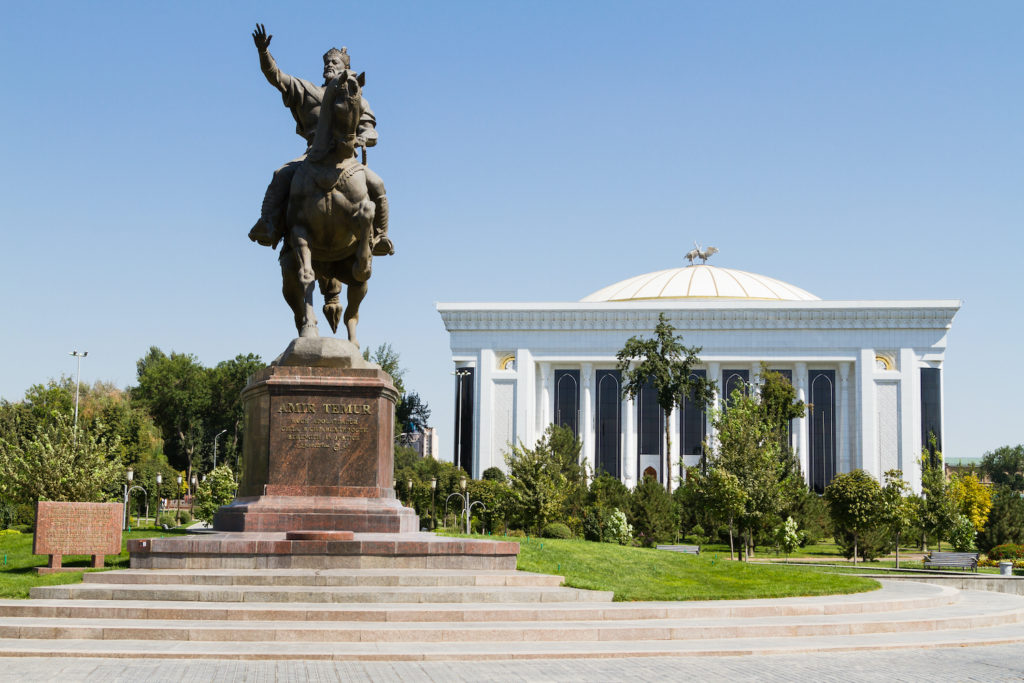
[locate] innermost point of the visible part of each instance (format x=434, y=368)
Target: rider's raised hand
x=260, y=37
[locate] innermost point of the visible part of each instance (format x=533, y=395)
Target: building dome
x=700, y=282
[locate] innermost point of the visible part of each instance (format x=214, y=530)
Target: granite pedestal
x=316, y=483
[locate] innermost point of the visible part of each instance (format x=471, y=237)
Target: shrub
x=652, y=514
x=494, y=474
x=618, y=529
x=9, y=532
x=1005, y=521
x=166, y=518
x=186, y=517
x=595, y=520
x=1007, y=551
x=516, y=533
x=871, y=544
x=217, y=489
x=697, y=536
x=961, y=536
x=556, y=530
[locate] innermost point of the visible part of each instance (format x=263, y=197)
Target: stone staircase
x=406, y=614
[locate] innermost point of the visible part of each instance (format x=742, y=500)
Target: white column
x=483, y=444
x=844, y=453
x=525, y=403
x=801, y=424
x=673, y=454
x=867, y=440
x=587, y=432
x=544, y=410
x=910, y=418
x=629, y=455
x=714, y=375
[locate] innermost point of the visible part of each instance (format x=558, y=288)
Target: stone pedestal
x=318, y=452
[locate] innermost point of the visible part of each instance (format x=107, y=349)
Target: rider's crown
x=343, y=52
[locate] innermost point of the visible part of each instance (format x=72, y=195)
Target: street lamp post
x=192, y=500
x=467, y=505
x=433, y=507
x=215, y=447
x=177, y=505
x=128, y=488
x=159, y=496
x=78, y=383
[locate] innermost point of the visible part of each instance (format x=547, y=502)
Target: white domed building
x=871, y=369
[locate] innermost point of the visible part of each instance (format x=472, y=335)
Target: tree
x=216, y=490
x=854, y=500
x=548, y=480
x=1005, y=466
x=725, y=497
x=388, y=360
x=651, y=513
x=896, y=507
x=175, y=390
x=779, y=406
x=412, y=413
x=1005, y=520
x=939, y=512
x=54, y=463
x=787, y=538
x=747, y=448
x=972, y=498
x=226, y=381
x=667, y=365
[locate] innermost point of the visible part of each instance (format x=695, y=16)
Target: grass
x=17, y=563
x=648, y=574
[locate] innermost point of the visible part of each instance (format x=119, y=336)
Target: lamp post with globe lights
x=467, y=505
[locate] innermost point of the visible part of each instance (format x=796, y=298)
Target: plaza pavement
x=980, y=663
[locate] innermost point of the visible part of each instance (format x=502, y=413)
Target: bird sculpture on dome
x=702, y=254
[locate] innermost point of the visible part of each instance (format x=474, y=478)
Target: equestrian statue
x=329, y=209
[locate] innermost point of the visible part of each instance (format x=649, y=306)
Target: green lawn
x=17, y=563
x=647, y=574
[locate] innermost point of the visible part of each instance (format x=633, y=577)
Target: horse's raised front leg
x=306, y=277
x=356, y=294
x=364, y=257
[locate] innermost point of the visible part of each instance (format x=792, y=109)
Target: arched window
x=822, y=456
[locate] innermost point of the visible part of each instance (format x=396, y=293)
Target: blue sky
x=532, y=151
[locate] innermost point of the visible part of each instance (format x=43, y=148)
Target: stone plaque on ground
x=77, y=529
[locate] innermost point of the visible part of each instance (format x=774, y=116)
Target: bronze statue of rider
x=304, y=99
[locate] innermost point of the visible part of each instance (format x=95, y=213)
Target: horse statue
x=329, y=219
x=700, y=253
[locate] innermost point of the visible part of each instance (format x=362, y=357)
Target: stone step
x=976, y=610
x=323, y=577
x=892, y=598
x=320, y=594
x=455, y=651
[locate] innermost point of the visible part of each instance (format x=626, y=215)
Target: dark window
x=651, y=425
x=731, y=381
x=567, y=399
x=931, y=409
x=464, y=419
x=692, y=425
x=822, y=456
x=609, y=420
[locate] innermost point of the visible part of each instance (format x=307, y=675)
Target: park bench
x=688, y=549
x=941, y=560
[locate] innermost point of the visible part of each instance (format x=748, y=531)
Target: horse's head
x=340, y=112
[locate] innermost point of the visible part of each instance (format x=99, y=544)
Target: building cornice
x=701, y=315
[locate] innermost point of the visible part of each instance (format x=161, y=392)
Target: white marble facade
x=874, y=366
